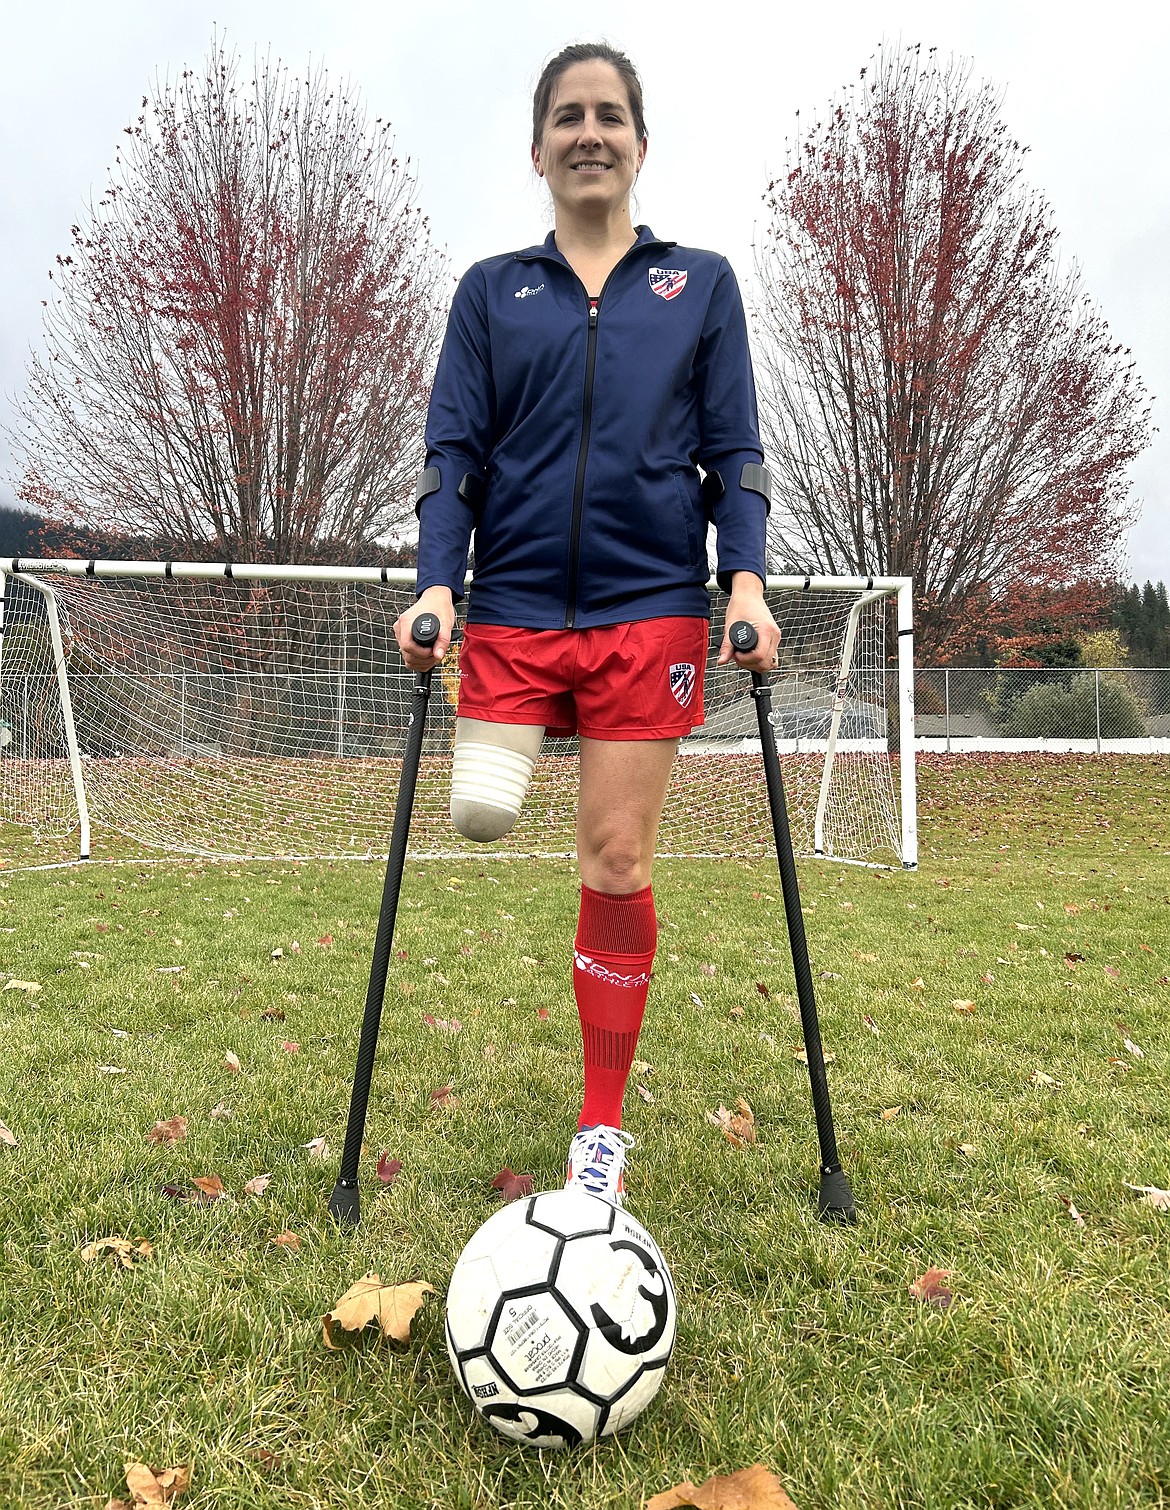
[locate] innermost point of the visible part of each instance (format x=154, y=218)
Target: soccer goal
x=260, y=711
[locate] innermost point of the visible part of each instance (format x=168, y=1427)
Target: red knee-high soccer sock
x=613, y=953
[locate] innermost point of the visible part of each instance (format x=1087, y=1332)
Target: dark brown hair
x=585, y=52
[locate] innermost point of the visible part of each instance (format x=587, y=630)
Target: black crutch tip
x=345, y=1205
x=835, y=1199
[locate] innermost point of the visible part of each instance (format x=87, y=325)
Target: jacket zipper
x=582, y=458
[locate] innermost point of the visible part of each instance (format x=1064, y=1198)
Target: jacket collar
x=547, y=249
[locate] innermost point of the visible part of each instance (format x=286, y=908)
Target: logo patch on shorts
x=668, y=282
x=682, y=683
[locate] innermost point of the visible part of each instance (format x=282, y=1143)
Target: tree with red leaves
x=240, y=342
x=938, y=396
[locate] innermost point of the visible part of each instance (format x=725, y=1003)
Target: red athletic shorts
x=623, y=681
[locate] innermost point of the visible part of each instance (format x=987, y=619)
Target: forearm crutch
x=345, y=1202
x=834, y=1199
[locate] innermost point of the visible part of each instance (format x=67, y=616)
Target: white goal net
x=262, y=711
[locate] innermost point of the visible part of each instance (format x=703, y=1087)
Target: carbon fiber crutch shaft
x=835, y=1199
x=345, y=1202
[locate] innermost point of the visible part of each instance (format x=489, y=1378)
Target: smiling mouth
x=591, y=167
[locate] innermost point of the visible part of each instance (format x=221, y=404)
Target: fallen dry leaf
x=1038, y=1077
x=151, y=1487
x=646, y=1093
x=641, y=1068
x=289, y=1240
x=763, y=990
x=31, y=986
x=968, y=1150
x=929, y=1287
x=444, y=1098
x=964, y=1008
x=8, y=1136
x=512, y=1186
x=872, y=1026
x=219, y=1112
x=442, y=1024
x=325, y=940
x=231, y=1063
x=753, y=1488
x=801, y=1056
x=290, y=1047
x=392, y=1306
x=1074, y=1214
x=890, y=1113
x=739, y=1126
x=277, y=953
x=173, y=1130
x=272, y=1014
x=318, y=1148
x=258, y=1184
x=918, y=985
x=210, y=1187
x=388, y=1169
x=1158, y=1199
x=120, y=1251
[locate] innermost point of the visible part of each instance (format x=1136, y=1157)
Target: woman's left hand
x=747, y=602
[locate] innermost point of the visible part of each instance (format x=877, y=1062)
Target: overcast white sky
x=1084, y=88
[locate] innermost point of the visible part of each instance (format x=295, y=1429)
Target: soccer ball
x=560, y=1319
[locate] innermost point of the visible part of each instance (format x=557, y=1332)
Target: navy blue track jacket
x=570, y=440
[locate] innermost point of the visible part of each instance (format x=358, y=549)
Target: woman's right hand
x=436, y=600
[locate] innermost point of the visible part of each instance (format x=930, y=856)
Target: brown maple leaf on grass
x=739, y=1126
x=929, y=1288
x=388, y=1169
x=173, y=1130
x=152, y=1486
x=753, y=1488
x=512, y=1186
x=392, y=1306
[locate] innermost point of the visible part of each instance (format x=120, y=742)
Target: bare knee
x=613, y=864
x=490, y=774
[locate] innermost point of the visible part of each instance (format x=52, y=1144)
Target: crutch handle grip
x=425, y=629
x=743, y=636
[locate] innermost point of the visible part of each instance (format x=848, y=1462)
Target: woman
x=582, y=385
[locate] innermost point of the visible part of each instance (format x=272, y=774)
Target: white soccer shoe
x=597, y=1159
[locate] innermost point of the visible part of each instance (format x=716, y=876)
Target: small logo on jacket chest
x=682, y=683
x=667, y=282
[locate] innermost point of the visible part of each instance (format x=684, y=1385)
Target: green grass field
x=1043, y=899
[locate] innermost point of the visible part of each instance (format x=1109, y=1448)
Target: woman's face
x=589, y=152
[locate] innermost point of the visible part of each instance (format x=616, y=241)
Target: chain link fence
x=1070, y=708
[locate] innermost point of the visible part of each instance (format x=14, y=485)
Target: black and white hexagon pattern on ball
x=560, y=1319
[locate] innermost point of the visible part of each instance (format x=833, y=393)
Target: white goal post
x=260, y=711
